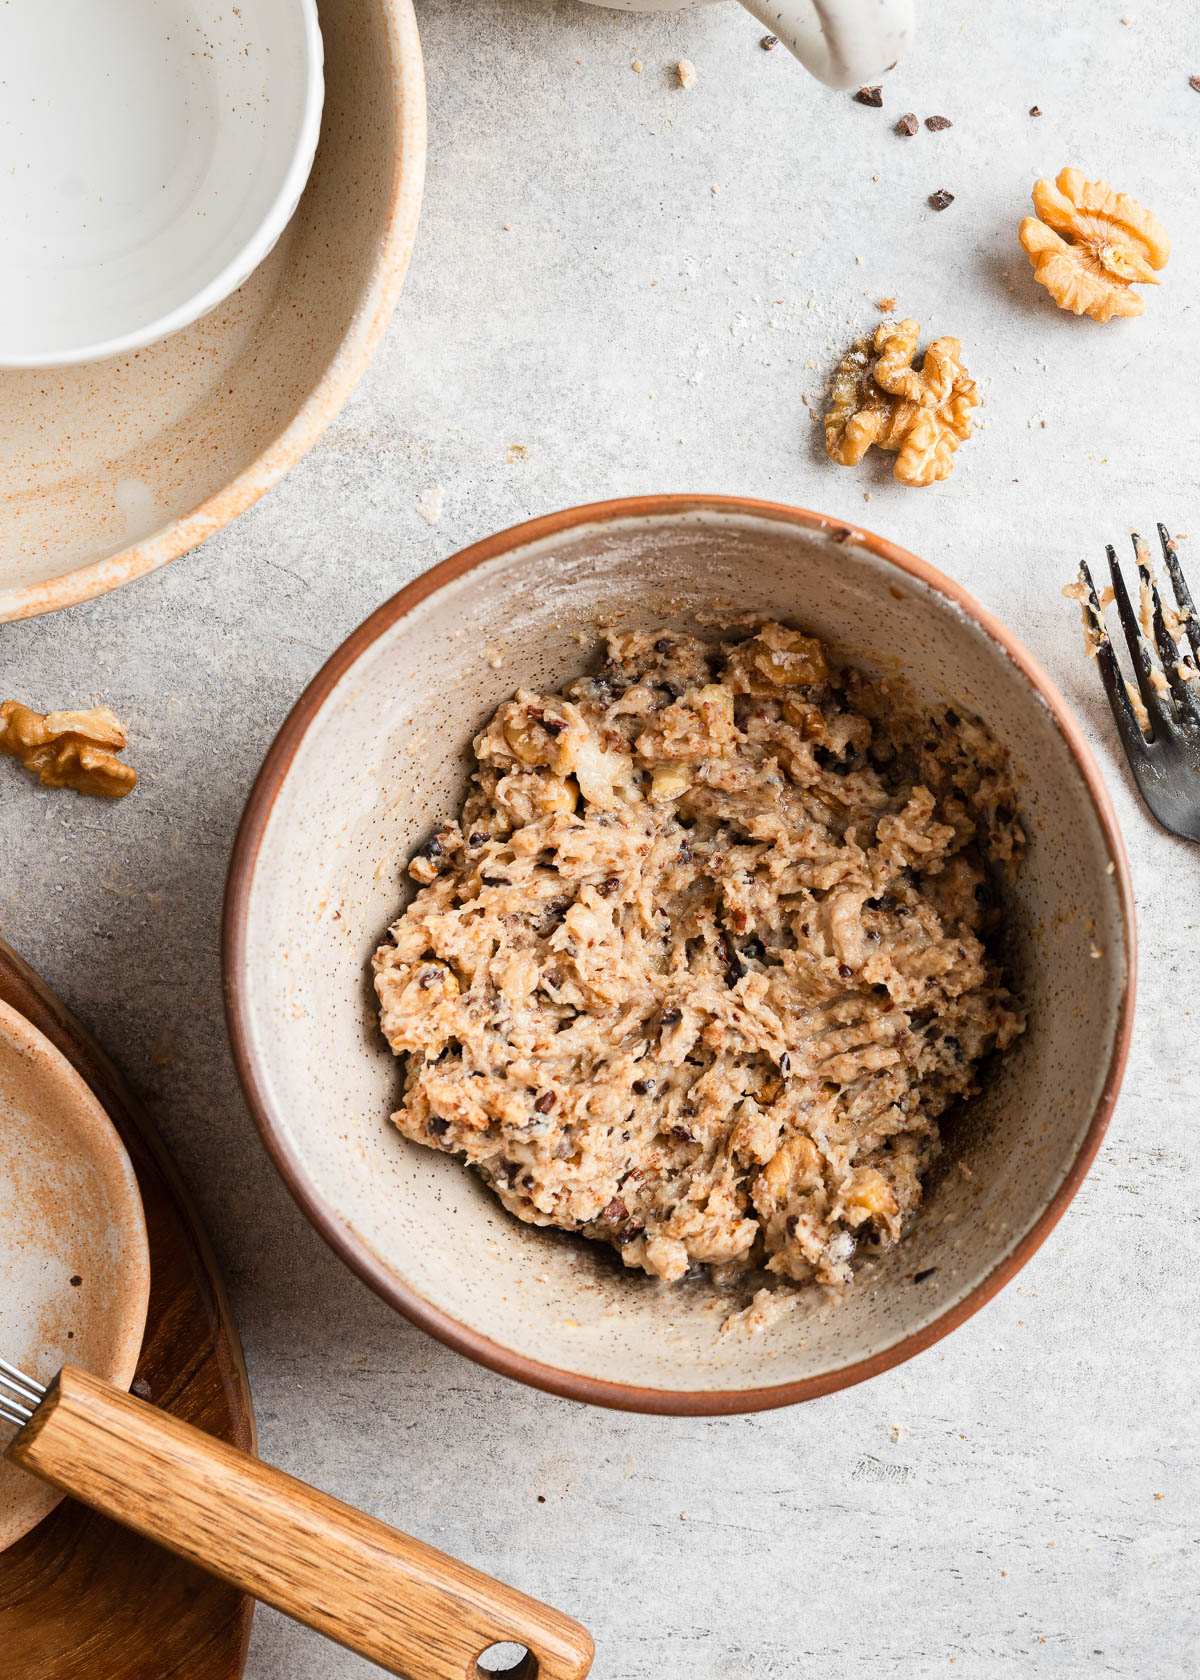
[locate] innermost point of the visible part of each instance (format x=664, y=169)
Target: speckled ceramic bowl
x=74, y=1261
x=109, y=470
x=376, y=753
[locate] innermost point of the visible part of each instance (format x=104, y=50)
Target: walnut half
x=920, y=415
x=68, y=749
x=1089, y=244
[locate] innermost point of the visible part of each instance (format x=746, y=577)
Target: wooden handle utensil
x=404, y=1605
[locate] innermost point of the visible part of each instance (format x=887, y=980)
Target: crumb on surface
x=686, y=71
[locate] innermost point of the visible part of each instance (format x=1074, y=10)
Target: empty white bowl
x=153, y=151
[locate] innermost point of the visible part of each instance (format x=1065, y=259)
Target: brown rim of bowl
x=356, y=1254
x=327, y=397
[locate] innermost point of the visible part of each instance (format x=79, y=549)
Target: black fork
x=1161, y=737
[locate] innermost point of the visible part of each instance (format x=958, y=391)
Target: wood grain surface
x=381, y=1593
x=80, y=1597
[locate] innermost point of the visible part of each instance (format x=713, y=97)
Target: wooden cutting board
x=80, y=1598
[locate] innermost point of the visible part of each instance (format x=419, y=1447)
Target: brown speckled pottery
x=109, y=470
x=74, y=1262
x=375, y=753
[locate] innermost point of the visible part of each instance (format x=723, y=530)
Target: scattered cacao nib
x=554, y=725
x=479, y=839
x=607, y=888
x=427, y=979
x=670, y=1016
x=908, y=124
x=841, y=535
x=936, y=124
x=643, y=1087
x=920, y=1277
x=663, y=645
x=438, y=1127
x=546, y=1102
x=941, y=199
x=870, y=96
x=845, y=971
x=140, y=1387
x=785, y=1062
x=682, y=1134
x=615, y=1212
x=792, y=1221
x=432, y=848
x=1036, y=110
x=495, y=880
x=769, y=43
x=509, y=1169
x=952, y=717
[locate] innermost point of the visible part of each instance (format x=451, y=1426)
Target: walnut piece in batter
x=920, y=415
x=69, y=749
x=707, y=954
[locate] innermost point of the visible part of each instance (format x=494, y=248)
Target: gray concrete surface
x=615, y=275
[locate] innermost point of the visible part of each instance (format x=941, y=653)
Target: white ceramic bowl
x=153, y=153
x=377, y=752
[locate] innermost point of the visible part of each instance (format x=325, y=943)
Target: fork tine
x=1182, y=593
x=1139, y=650
x=33, y=1389
x=1128, y=727
x=1182, y=691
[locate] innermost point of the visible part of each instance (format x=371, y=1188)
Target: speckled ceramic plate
x=376, y=753
x=74, y=1262
x=110, y=470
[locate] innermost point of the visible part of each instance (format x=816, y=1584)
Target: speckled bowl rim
x=327, y=398
x=354, y=1251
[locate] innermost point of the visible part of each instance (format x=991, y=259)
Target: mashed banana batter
x=707, y=954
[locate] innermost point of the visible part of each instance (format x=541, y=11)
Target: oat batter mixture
x=707, y=955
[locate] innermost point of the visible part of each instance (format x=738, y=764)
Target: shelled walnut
x=919, y=415
x=69, y=749
x=1089, y=245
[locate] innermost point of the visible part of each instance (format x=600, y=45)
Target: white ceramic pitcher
x=842, y=42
